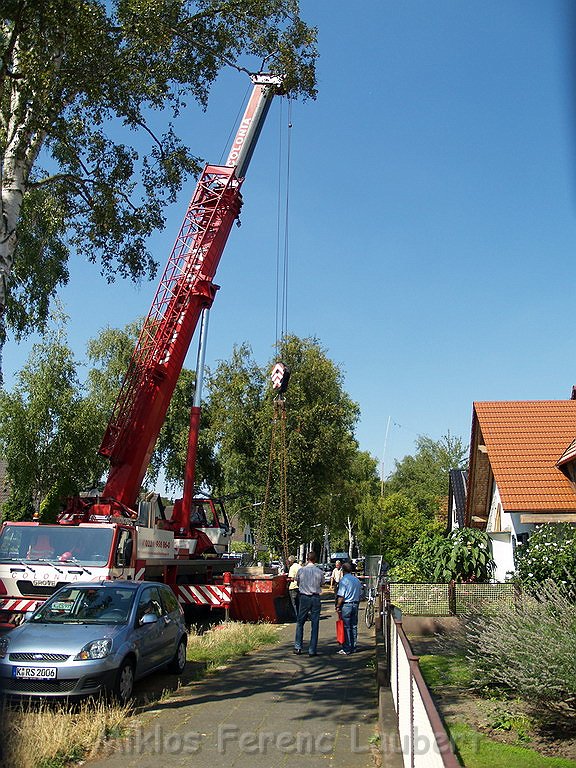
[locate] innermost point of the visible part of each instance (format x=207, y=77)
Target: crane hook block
x=280, y=376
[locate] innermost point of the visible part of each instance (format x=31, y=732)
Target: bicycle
x=369, y=610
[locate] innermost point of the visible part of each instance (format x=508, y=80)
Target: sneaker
x=342, y=652
x=297, y=651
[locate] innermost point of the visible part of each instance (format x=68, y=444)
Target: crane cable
x=278, y=457
x=282, y=253
x=278, y=454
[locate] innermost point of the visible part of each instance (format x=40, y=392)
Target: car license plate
x=44, y=583
x=36, y=673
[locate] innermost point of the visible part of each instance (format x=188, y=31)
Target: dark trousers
x=294, y=600
x=350, y=619
x=309, y=606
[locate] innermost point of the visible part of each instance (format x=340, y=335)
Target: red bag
x=340, y=631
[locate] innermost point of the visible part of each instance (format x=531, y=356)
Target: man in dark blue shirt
x=349, y=592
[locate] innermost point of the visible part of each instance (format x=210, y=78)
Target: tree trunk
x=350, y=528
x=24, y=141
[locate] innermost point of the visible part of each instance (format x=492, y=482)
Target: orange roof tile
x=524, y=440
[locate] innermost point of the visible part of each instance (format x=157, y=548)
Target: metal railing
x=423, y=737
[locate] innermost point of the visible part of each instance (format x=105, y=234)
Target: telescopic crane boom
x=185, y=289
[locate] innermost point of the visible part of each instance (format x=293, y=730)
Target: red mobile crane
x=108, y=536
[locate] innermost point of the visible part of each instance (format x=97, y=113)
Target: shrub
x=550, y=553
x=463, y=555
x=407, y=572
x=529, y=650
x=468, y=559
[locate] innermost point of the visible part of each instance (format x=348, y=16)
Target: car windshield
x=55, y=544
x=87, y=605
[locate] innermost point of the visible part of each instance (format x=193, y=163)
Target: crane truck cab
x=37, y=559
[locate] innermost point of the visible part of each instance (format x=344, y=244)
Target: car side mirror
x=148, y=618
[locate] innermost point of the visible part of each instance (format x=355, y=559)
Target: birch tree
x=79, y=83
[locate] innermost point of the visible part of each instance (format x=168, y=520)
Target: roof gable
x=523, y=441
x=457, y=495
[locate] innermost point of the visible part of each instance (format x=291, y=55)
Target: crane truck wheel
x=124, y=683
x=176, y=666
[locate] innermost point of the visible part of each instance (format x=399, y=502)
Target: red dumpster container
x=259, y=597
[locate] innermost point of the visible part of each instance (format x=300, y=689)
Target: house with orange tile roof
x=522, y=471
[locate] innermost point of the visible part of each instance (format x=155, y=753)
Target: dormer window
x=567, y=463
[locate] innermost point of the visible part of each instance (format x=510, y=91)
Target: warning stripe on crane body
x=11, y=604
x=205, y=594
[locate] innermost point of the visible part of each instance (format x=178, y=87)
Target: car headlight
x=97, y=649
x=3, y=646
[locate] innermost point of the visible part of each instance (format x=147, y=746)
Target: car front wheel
x=124, y=684
x=179, y=661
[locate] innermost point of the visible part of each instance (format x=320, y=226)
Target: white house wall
x=454, y=524
x=503, y=555
x=504, y=536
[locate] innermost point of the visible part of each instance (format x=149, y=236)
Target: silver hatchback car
x=92, y=637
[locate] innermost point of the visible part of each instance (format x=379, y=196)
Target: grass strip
x=48, y=735
x=478, y=751
x=229, y=641
x=452, y=670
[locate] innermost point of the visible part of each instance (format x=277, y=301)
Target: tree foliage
x=413, y=501
x=79, y=85
x=51, y=425
x=423, y=477
x=312, y=435
x=392, y=525
x=348, y=495
x=48, y=432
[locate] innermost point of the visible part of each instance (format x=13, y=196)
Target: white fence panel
x=424, y=740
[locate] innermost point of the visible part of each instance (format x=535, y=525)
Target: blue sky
x=432, y=227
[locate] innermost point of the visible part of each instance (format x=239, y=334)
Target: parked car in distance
x=93, y=637
x=327, y=568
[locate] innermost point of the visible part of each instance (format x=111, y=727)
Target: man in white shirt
x=335, y=576
x=293, y=568
x=310, y=579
